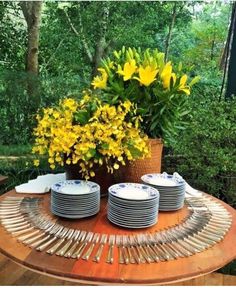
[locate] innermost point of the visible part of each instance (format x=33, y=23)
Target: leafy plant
x=159, y=90
x=90, y=133
x=208, y=146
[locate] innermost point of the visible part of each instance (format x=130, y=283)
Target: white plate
x=131, y=225
x=133, y=191
x=132, y=209
x=164, y=180
x=75, y=187
x=74, y=216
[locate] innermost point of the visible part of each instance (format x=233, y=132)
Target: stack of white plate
x=171, y=188
x=75, y=199
x=133, y=205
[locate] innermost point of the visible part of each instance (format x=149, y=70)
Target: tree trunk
x=101, y=43
x=80, y=33
x=32, y=13
x=171, y=27
x=212, y=48
x=231, y=83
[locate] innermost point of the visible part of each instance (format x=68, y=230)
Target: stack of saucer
x=133, y=205
x=171, y=188
x=75, y=199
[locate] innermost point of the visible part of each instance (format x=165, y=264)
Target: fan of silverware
x=206, y=224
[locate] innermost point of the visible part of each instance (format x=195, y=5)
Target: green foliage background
x=204, y=153
x=198, y=39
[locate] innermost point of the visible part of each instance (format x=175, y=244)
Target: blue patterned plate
x=133, y=191
x=75, y=187
x=162, y=180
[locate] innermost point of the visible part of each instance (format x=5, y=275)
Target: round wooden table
x=90, y=272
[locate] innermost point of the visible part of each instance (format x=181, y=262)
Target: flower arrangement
x=90, y=133
x=142, y=77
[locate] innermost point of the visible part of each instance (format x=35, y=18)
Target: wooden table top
x=90, y=272
x=3, y=179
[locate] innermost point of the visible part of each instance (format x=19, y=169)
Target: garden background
x=71, y=39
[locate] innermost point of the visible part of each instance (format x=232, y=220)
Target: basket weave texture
x=133, y=171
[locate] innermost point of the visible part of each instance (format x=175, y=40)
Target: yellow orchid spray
x=90, y=133
x=128, y=70
x=146, y=75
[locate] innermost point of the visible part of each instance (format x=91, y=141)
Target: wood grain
x=3, y=179
x=25, y=277
x=103, y=273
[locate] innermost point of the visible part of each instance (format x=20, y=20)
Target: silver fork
x=69, y=239
x=175, y=251
x=119, y=245
x=26, y=239
x=185, y=249
x=100, y=248
x=110, y=255
x=77, y=245
x=152, y=242
x=95, y=240
x=13, y=220
x=140, y=243
x=126, y=245
x=61, y=238
x=138, y=258
x=77, y=238
x=82, y=245
x=160, y=245
x=56, y=235
x=149, y=248
x=52, y=231
x=123, y=247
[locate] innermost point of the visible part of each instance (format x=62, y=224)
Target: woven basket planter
x=133, y=171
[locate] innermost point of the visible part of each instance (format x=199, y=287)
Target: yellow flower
x=92, y=174
x=146, y=75
x=70, y=103
x=166, y=75
x=182, y=85
x=111, y=64
x=116, y=166
x=36, y=162
x=100, y=81
x=102, y=140
x=128, y=70
x=51, y=160
x=173, y=75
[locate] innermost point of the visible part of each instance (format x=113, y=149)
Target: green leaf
x=104, y=146
x=194, y=80
x=180, y=66
x=91, y=153
x=135, y=152
x=82, y=117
